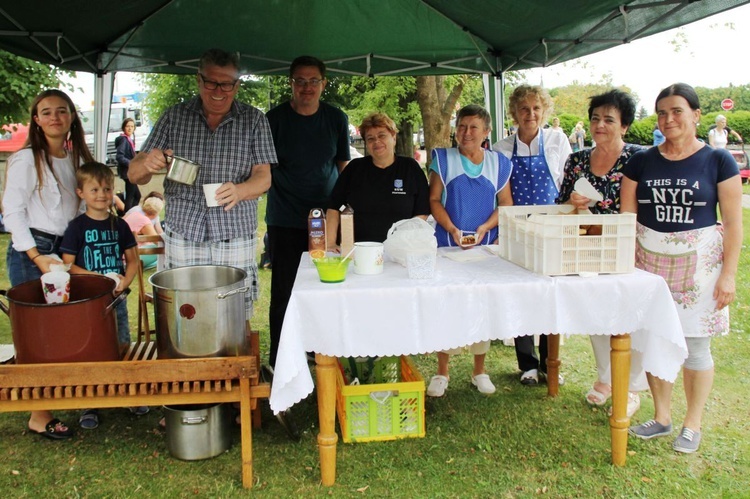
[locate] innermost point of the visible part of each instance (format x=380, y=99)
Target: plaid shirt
x=227, y=154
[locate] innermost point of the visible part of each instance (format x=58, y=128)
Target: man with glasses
x=232, y=142
x=312, y=144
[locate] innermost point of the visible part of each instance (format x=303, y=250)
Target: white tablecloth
x=466, y=302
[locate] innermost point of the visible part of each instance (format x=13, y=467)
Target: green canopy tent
x=354, y=37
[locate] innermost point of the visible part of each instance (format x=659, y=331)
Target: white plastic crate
x=546, y=240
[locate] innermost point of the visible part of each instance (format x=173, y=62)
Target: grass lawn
x=517, y=443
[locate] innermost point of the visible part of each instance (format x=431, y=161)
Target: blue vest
x=468, y=200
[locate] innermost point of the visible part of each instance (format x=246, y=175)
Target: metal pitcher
x=182, y=170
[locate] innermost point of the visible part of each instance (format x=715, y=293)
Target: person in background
x=610, y=115
x=729, y=131
x=556, y=125
x=312, y=143
x=233, y=144
x=467, y=184
x=577, y=137
x=97, y=242
x=658, y=136
x=381, y=188
x=40, y=200
x=675, y=189
x=156, y=221
x=538, y=157
x=141, y=224
x=125, y=145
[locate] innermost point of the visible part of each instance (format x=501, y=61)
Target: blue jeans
x=123, y=328
x=20, y=267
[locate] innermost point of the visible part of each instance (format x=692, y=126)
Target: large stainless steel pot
x=198, y=431
x=200, y=311
x=82, y=330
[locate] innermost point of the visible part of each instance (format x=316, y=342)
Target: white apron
x=690, y=261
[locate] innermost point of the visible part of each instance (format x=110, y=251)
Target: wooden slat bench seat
x=139, y=379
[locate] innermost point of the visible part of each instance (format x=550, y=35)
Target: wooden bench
x=139, y=379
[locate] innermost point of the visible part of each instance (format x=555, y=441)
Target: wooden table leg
x=553, y=364
x=246, y=434
x=325, y=372
x=619, y=421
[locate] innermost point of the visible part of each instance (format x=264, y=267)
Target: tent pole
x=103, y=85
x=494, y=98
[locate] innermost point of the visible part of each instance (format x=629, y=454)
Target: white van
x=117, y=114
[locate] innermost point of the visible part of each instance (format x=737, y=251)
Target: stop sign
x=727, y=104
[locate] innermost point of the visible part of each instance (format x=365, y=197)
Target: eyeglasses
x=211, y=85
x=301, y=82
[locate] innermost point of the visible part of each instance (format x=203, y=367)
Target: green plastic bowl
x=332, y=268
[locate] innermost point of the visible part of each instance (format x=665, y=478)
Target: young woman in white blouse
x=39, y=201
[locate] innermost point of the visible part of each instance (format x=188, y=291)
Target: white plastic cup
x=56, y=287
x=368, y=258
x=114, y=277
x=210, y=192
x=421, y=263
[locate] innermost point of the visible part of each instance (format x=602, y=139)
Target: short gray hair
x=220, y=58
x=475, y=110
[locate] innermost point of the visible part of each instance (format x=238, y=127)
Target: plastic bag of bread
x=409, y=234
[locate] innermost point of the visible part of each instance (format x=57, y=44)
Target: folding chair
x=144, y=298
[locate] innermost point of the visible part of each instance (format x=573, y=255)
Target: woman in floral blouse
x=610, y=115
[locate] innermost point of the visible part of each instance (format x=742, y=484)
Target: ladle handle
x=3, y=306
x=119, y=299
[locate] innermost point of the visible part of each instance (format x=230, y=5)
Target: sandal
x=597, y=398
x=54, y=430
x=89, y=420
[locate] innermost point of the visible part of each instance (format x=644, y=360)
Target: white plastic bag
x=410, y=234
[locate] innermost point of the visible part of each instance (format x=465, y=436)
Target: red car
x=740, y=156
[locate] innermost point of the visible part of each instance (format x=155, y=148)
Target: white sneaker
x=483, y=384
x=438, y=385
x=530, y=377
x=634, y=403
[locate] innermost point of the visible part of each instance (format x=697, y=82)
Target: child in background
x=156, y=222
x=96, y=242
x=140, y=223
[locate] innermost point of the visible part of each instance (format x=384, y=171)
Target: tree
x=22, y=80
x=392, y=95
x=437, y=103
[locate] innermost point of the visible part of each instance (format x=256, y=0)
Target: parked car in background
x=740, y=156
x=12, y=137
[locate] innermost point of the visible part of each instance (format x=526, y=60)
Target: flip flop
x=597, y=398
x=53, y=432
x=89, y=420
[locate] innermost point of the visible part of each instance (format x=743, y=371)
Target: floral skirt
x=690, y=262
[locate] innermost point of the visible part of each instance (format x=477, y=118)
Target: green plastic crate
x=369, y=370
x=382, y=411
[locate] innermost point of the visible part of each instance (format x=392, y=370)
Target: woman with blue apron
x=466, y=186
x=535, y=181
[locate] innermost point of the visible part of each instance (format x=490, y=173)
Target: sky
x=711, y=56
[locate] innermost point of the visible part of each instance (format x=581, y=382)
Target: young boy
x=95, y=243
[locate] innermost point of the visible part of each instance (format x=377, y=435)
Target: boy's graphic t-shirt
x=98, y=245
